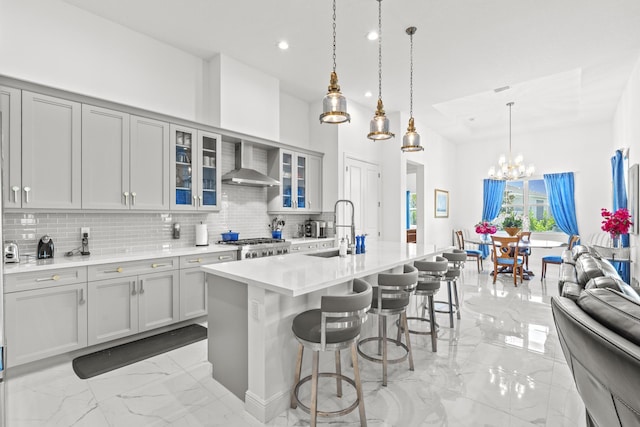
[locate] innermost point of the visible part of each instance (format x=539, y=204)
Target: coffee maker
x=45, y=247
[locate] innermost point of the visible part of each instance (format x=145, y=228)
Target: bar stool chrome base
x=381, y=341
x=449, y=307
x=434, y=327
x=326, y=414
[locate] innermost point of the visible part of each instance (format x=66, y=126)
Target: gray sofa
x=597, y=318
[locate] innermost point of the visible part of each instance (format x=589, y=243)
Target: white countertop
x=299, y=274
x=62, y=261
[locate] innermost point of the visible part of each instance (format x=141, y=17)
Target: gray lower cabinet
x=193, y=286
x=45, y=322
x=128, y=305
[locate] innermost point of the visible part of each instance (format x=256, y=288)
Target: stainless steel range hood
x=244, y=174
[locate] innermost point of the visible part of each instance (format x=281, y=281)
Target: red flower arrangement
x=616, y=223
x=485, y=227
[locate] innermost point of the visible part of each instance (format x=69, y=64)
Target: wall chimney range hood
x=243, y=174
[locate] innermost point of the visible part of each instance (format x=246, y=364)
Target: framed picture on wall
x=441, y=203
x=632, y=205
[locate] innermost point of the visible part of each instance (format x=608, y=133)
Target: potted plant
x=616, y=223
x=512, y=223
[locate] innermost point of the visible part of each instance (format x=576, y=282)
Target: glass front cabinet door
x=293, y=175
x=195, y=168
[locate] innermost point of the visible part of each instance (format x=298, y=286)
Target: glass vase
x=616, y=241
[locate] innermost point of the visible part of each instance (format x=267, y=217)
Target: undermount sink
x=325, y=254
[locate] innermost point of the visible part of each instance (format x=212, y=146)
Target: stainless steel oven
x=259, y=247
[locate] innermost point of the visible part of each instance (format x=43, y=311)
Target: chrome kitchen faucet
x=351, y=243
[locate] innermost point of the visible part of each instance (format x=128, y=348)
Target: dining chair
x=505, y=255
x=471, y=253
x=557, y=259
x=525, y=252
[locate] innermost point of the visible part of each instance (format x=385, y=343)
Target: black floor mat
x=97, y=363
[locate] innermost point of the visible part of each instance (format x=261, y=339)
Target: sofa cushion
x=567, y=257
x=614, y=310
x=613, y=283
x=571, y=290
x=578, y=251
x=587, y=268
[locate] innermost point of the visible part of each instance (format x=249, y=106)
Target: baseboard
x=266, y=410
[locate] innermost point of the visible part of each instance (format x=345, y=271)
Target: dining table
x=523, y=243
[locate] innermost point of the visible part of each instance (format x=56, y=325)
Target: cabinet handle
x=198, y=260
x=133, y=292
x=82, y=301
x=141, y=291
x=126, y=198
x=199, y=201
x=158, y=265
x=133, y=198
x=223, y=257
x=15, y=190
x=297, y=248
x=195, y=198
x=117, y=270
x=27, y=190
x=55, y=277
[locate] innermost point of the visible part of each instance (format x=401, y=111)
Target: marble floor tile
x=501, y=365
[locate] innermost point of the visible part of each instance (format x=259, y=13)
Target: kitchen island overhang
x=252, y=304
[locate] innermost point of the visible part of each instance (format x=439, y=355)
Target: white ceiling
x=564, y=60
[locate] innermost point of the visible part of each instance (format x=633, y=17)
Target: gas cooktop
x=254, y=241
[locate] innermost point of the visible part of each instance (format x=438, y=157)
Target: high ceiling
x=563, y=60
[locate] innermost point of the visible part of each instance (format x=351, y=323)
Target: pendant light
x=379, y=127
x=334, y=104
x=411, y=139
x=510, y=169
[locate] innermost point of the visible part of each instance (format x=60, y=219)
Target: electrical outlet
x=84, y=230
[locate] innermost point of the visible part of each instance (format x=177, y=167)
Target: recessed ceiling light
x=368, y=94
x=283, y=45
x=372, y=35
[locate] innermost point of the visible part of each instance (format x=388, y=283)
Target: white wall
x=249, y=100
x=583, y=149
x=53, y=43
x=294, y=121
x=626, y=133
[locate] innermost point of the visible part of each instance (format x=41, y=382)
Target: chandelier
x=334, y=104
x=379, y=126
x=411, y=139
x=510, y=169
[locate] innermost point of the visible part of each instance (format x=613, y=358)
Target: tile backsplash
x=243, y=210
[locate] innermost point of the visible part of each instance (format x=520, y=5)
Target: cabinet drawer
x=303, y=247
x=189, y=261
x=131, y=268
x=326, y=244
x=44, y=279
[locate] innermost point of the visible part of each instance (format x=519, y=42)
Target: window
x=412, y=210
x=528, y=197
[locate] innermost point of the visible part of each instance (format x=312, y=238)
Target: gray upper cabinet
x=314, y=184
x=149, y=174
x=195, y=169
x=299, y=175
x=51, y=152
x=10, y=106
x=125, y=161
x=105, y=158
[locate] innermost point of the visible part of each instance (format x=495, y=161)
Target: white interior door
x=362, y=187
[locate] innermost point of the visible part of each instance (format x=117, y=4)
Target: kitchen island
x=252, y=304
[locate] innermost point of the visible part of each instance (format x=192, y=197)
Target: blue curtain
x=560, y=189
x=493, y=191
x=620, y=201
